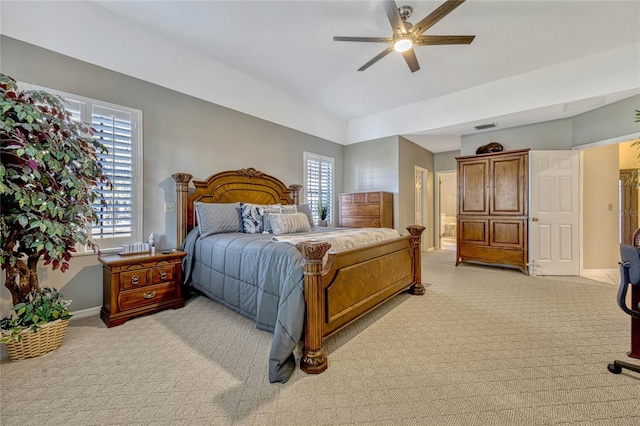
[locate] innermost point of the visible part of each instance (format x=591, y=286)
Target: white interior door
x=554, y=213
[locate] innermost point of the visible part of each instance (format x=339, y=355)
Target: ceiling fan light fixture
x=403, y=44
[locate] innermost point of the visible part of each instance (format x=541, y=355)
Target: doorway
x=447, y=198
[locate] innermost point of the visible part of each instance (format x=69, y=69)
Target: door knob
x=534, y=219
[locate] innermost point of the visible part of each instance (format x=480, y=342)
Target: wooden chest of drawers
x=139, y=285
x=366, y=210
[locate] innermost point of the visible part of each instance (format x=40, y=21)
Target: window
x=119, y=129
x=318, y=183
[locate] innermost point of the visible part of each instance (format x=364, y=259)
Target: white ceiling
x=531, y=61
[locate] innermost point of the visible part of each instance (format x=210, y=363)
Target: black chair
x=629, y=276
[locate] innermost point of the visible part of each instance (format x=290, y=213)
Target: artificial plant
x=48, y=176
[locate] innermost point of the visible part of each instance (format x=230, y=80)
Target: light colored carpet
x=484, y=346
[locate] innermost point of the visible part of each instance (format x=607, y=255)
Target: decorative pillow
x=264, y=213
x=282, y=223
x=304, y=208
x=217, y=218
x=289, y=209
x=251, y=218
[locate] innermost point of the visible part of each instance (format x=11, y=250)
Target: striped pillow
x=282, y=223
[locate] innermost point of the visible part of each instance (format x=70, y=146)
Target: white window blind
x=113, y=128
x=319, y=183
x=119, y=129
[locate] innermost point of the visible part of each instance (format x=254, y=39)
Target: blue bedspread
x=260, y=279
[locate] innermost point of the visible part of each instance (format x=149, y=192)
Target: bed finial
x=314, y=360
x=182, y=189
x=417, y=288
x=295, y=193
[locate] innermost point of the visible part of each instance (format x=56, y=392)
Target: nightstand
x=140, y=284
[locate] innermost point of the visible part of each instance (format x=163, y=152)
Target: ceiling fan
x=406, y=35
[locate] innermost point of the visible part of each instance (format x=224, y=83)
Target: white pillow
x=283, y=223
x=265, y=211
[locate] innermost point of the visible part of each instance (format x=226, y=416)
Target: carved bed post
x=295, y=193
x=314, y=360
x=416, y=231
x=182, y=190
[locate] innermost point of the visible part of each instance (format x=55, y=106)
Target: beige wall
x=599, y=207
x=409, y=156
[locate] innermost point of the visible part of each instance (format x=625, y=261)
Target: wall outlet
x=169, y=207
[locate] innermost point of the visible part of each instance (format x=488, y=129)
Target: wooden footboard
x=353, y=283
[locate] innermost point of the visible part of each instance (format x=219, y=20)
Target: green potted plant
x=323, y=211
x=48, y=178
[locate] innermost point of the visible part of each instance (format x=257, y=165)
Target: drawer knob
x=149, y=295
x=135, y=279
x=163, y=275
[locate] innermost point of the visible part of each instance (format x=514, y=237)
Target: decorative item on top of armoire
x=50, y=171
x=490, y=147
x=493, y=208
x=366, y=210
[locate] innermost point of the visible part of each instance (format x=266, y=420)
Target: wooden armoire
x=493, y=208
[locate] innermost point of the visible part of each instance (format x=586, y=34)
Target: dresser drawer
x=346, y=198
x=149, y=295
x=360, y=210
x=360, y=222
x=162, y=274
x=373, y=197
x=359, y=198
x=133, y=279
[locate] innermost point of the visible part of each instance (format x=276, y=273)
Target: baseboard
x=86, y=313
x=600, y=271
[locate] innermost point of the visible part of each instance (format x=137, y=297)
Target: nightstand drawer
x=133, y=279
x=146, y=296
x=162, y=275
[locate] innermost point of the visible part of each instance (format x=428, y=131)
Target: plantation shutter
x=319, y=184
x=113, y=128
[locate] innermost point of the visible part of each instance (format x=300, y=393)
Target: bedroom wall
x=409, y=156
x=608, y=122
x=548, y=135
x=373, y=166
x=445, y=161
x=181, y=134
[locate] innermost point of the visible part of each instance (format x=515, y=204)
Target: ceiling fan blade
x=412, y=61
x=397, y=24
x=435, y=16
x=369, y=39
x=436, y=40
x=377, y=58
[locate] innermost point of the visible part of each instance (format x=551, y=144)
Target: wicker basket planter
x=48, y=338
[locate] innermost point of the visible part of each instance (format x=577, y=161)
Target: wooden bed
x=352, y=283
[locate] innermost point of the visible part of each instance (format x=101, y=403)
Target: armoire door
x=508, y=180
x=473, y=187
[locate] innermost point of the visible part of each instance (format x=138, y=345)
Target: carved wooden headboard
x=246, y=185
